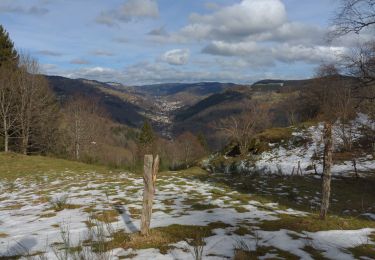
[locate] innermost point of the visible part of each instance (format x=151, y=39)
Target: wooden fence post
x=299, y=170
x=151, y=168
x=327, y=164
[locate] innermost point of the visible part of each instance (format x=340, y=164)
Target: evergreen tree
x=203, y=141
x=8, y=53
x=146, y=137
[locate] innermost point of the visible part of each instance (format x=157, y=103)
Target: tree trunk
x=76, y=152
x=77, y=138
x=6, y=142
x=327, y=163
x=24, y=143
x=151, y=168
x=6, y=137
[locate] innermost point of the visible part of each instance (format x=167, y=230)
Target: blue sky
x=154, y=41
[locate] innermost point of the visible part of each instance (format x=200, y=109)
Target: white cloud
x=240, y=20
x=230, y=23
x=176, y=56
x=292, y=32
x=97, y=73
x=232, y=49
x=131, y=10
x=158, y=32
x=313, y=54
x=258, y=31
x=265, y=55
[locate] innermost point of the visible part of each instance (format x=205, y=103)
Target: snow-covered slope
x=306, y=147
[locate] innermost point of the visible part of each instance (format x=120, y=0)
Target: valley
x=187, y=130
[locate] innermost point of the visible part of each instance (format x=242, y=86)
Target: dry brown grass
x=14, y=206
x=162, y=237
x=107, y=216
x=3, y=235
x=312, y=223
x=47, y=215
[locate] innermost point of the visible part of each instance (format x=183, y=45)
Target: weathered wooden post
x=151, y=168
x=299, y=169
x=327, y=164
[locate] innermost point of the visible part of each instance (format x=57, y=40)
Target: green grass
x=199, y=206
x=362, y=251
x=14, y=165
x=315, y=254
x=244, y=254
x=240, y=209
x=312, y=223
x=242, y=230
x=161, y=237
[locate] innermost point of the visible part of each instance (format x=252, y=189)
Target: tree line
x=28, y=110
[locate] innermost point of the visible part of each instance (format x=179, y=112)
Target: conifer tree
x=146, y=138
x=8, y=53
x=203, y=141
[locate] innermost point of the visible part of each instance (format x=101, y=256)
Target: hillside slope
x=119, y=109
x=282, y=150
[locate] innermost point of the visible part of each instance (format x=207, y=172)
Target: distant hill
x=211, y=101
x=276, y=85
x=201, y=88
x=186, y=93
x=205, y=114
x=120, y=109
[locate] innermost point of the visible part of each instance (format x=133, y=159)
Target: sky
x=138, y=42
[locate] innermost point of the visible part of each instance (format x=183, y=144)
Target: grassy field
x=14, y=165
x=227, y=216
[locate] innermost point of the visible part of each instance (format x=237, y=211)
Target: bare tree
x=7, y=103
x=188, y=149
x=35, y=102
x=360, y=63
x=84, y=125
x=26, y=88
x=354, y=16
x=344, y=110
x=241, y=129
x=327, y=79
x=290, y=106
